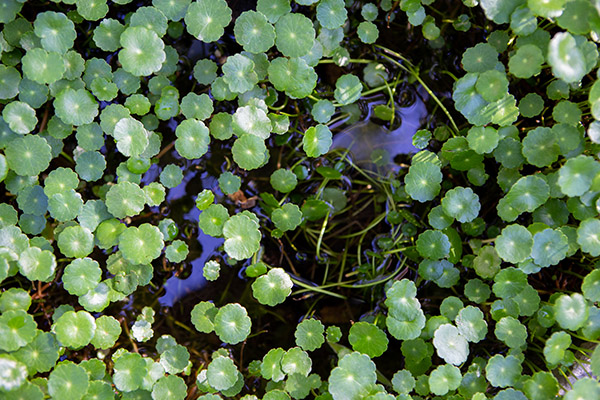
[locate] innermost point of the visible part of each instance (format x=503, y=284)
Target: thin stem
x=320, y=240
x=411, y=70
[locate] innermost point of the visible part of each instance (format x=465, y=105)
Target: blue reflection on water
x=364, y=137
x=177, y=288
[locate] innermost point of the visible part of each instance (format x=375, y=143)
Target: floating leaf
x=471, y=324
x=367, y=32
x=571, y=312
x=254, y=32
x=143, y=51
x=444, y=379
x=294, y=76
x=287, y=218
x=211, y=270
x=242, y=237
x=81, y=276
x=514, y=244
x=69, y=381
x=17, y=329
x=503, y=371
x=479, y=58
x=273, y=288
x=64, y=330
x=56, y=31
x=549, y=247
x=283, y=180
x=576, y=175
x=542, y=385
x=203, y=315
x=309, y=334
x=294, y=35
x=368, y=339
x=171, y=176
x=461, y=204
x=232, y=323
x=450, y=344
x=565, y=58
x=322, y=111
x=131, y=137
x=170, y=386
x=423, y=181
x=353, y=377
x=348, y=89
x=125, y=199
x=317, y=140
x=129, y=372
x=588, y=236
x=433, y=245
x=212, y=219
x=239, y=73
x=107, y=332
x=207, y=19
x=141, y=245
x=192, y=139
x=556, y=347
x=591, y=286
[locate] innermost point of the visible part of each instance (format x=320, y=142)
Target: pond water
x=361, y=139
x=366, y=137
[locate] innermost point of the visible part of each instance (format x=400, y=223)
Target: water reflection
x=361, y=139
x=365, y=137
x=177, y=288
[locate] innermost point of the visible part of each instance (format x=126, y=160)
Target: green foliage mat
x=134, y=135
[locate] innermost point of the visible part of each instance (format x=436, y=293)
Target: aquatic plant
x=135, y=135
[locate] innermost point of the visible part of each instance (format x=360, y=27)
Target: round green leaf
x=353, y=377
x=42, y=66
x=444, y=379
x=588, y=236
x=17, y=328
x=450, y=344
x=20, y=117
x=294, y=35
x=68, y=381
x=75, y=329
x=242, y=237
x=571, y=312
x=309, y=334
x=368, y=339
x=143, y=51
x=503, y=371
x=205, y=20
x=317, y=140
x=514, y=244
x=254, y=32
x=56, y=31
x=76, y=107
x=526, y=62
x=287, y=218
x=433, y=245
x=37, y=264
x=565, y=58
x=249, y=151
x=423, y=181
x=471, y=324
x=348, y=89
x=232, y=323
x=576, y=175
x=141, y=245
x=125, y=199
